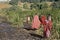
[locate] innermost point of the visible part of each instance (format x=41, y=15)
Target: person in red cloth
x=47, y=26
x=36, y=22
x=50, y=22
x=43, y=22
x=42, y=19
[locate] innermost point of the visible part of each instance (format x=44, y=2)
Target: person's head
x=49, y=17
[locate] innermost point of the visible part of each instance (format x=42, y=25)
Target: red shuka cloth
x=47, y=25
x=47, y=28
x=35, y=22
x=43, y=18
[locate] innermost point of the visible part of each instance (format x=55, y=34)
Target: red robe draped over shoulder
x=47, y=28
x=43, y=18
x=35, y=22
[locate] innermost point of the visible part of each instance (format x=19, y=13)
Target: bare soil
x=10, y=33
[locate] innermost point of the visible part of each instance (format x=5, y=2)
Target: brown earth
x=10, y=33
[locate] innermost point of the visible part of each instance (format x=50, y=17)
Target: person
x=28, y=19
x=42, y=19
x=50, y=22
x=47, y=26
x=36, y=22
x=26, y=23
x=43, y=23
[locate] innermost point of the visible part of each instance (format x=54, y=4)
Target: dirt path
x=9, y=33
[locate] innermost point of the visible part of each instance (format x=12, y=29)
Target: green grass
x=16, y=16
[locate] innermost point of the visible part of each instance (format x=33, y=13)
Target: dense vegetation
x=16, y=15
x=32, y=1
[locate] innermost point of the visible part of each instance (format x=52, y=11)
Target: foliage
x=25, y=6
x=16, y=16
x=39, y=6
x=37, y=1
x=13, y=2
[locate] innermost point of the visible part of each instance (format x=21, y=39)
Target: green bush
x=13, y=2
x=25, y=6
x=14, y=15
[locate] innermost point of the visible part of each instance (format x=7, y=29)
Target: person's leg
x=48, y=33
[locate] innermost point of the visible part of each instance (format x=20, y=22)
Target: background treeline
x=37, y=0
x=33, y=1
